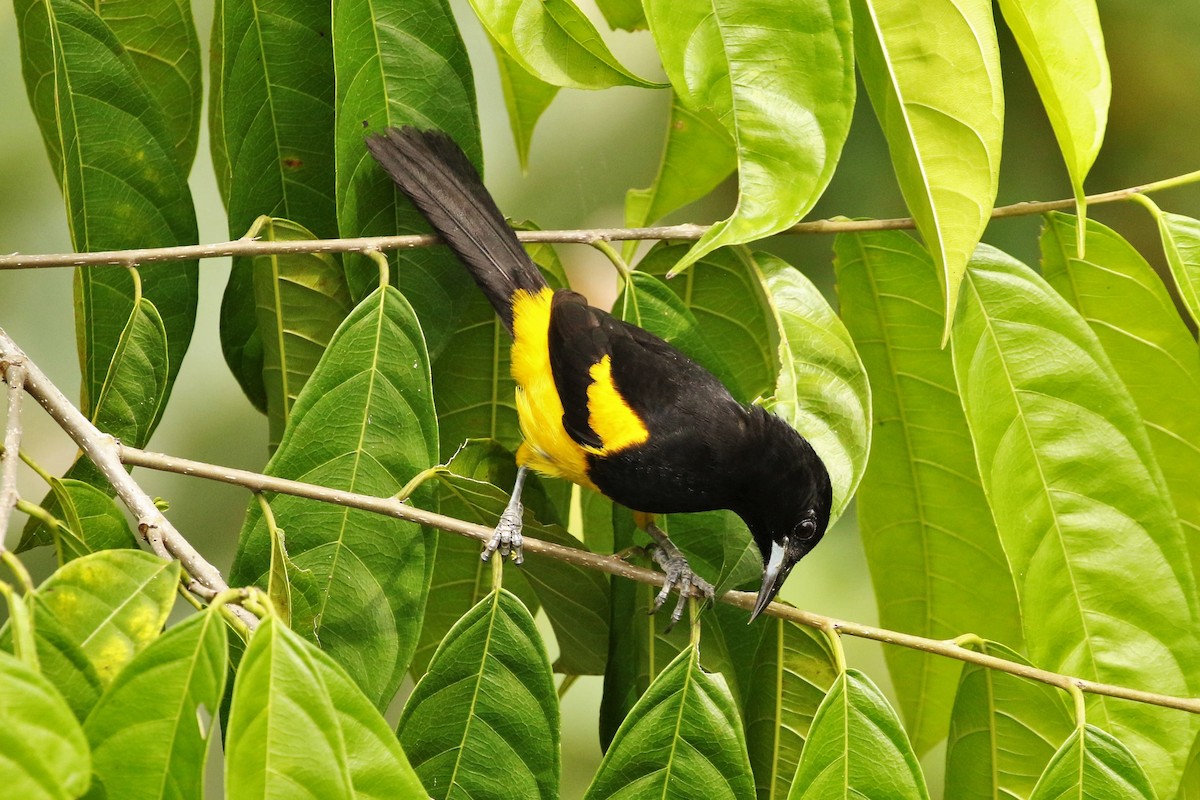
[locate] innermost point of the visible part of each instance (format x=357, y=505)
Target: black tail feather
x=439, y=179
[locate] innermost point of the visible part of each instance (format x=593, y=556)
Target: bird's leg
x=680, y=575
x=507, y=536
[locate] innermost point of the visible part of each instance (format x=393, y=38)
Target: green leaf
x=1093, y=764
x=780, y=77
x=623, y=14
x=272, y=121
x=525, y=96
x=364, y=422
x=93, y=521
x=1181, y=243
x=937, y=565
x=1128, y=308
x=299, y=723
x=553, y=41
x=1003, y=730
x=112, y=604
x=746, y=341
x=1079, y=504
x=300, y=299
x=1063, y=47
x=932, y=71
x=822, y=390
x=683, y=738
x=856, y=747
x=134, y=390
x=697, y=156
x=400, y=64
x=152, y=709
x=793, y=671
x=1189, y=787
x=160, y=38
x=60, y=660
x=111, y=153
x=483, y=721
x=43, y=753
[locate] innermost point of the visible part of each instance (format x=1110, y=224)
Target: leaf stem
x=832, y=632
x=1080, y=705
x=17, y=569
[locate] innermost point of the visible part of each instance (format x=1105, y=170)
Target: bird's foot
x=507, y=536
x=680, y=577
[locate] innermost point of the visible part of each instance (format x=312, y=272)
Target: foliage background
x=588, y=149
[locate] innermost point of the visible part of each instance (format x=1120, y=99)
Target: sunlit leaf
x=780, y=77
x=623, y=14
x=364, y=422
x=923, y=517
x=1090, y=764
x=1181, y=243
x=60, y=660
x=932, y=71
x=1078, y=502
x=526, y=97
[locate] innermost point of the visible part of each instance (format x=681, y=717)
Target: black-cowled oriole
x=608, y=405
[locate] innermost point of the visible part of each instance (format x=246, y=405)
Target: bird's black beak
x=774, y=574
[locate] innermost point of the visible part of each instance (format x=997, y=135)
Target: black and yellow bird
x=608, y=405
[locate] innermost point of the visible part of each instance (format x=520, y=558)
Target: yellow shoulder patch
x=617, y=425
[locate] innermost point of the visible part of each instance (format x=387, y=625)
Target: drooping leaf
x=484, y=721
x=112, y=604
x=300, y=724
x=43, y=753
x=1181, y=242
x=923, y=517
x=272, y=129
x=1003, y=730
x=822, y=389
x=1079, y=502
x=152, y=709
x=526, y=96
x=780, y=77
x=856, y=747
x=364, y=422
x=682, y=739
x=932, y=71
x=92, y=519
x=18, y=629
x=1093, y=764
x=623, y=14
x=1128, y=308
x=1063, y=47
x=300, y=301
x=134, y=390
x=697, y=155
x=400, y=64
x=555, y=42
x=60, y=660
x=793, y=670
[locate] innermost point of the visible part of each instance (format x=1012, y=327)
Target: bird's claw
x=682, y=579
x=507, y=536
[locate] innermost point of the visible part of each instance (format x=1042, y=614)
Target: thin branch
x=104, y=451
x=615, y=566
x=14, y=376
x=687, y=232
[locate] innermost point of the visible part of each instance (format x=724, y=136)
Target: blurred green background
x=589, y=148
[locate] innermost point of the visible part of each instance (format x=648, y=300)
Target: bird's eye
x=806, y=530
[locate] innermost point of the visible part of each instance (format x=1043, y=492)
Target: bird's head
x=789, y=510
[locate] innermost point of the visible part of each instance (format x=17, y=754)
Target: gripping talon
x=679, y=577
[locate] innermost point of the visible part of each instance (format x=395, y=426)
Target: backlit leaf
x=1093, y=764
x=526, y=97
x=1181, y=243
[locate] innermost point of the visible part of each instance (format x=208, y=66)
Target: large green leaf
x=1128, y=308
x=923, y=517
x=364, y=422
x=1003, y=730
x=1079, y=503
x=160, y=38
x=112, y=604
x=400, y=64
x=43, y=753
x=822, y=390
x=272, y=140
x=61, y=661
x=697, y=155
x=1181, y=243
x=932, y=71
x=1093, y=764
x=483, y=721
x=115, y=160
x=526, y=97
x=300, y=726
x=856, y=747
x=793, y=670
x=555, y=42
x=152, y=709
x=780, y=77
x=1063, y=47
x=682, y=739
x=728, y=301
x=300, y=299
x=1189, y=787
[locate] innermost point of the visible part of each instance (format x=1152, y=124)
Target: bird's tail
x=439, y=179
